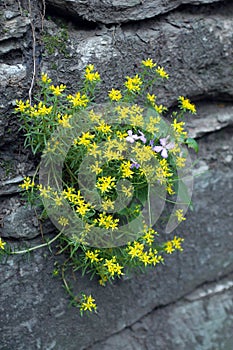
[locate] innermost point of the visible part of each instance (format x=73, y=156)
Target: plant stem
x=38, y=246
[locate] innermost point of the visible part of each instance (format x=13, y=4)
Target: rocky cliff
x=188, y=303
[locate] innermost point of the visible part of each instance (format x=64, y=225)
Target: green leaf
x=191, y=143
x=183, y=193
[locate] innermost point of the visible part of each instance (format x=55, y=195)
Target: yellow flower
x=161, y=72
x=44, y=191
x=179, y=215
x=145, y=258
x=121, y=134
x=151, y=98
x=107, y=221
x=149, y=236
x=27, y=183
x=88, y=303
x=93, y=256
x=178, y=128
x=180, y=162
x=168, y=247
x=186, y=105
x=95, y=168
x=78, y=100
x=21, y=106
x=149, y=63
x=107, y=204
x=133, y=84
x=127, y=190
x=93, y=150
x=113, y=267
x=90, y=75
x=94, y=117
x=135, y=250
x=126, y=171
x=115, y=95
x=64, y=120
x=160, y=108
x=170, y=189
x=2, y=244
x=104, y=128
x=82, y=207
x=63, y=221
x=177, y=243
x=106, y=183
x=85, y=139
x=57, y=90
x=69, y=193
x=45, y=79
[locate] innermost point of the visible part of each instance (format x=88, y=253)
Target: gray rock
x=163, y=307
x=203, y=323
x=203, y=64
x=18, y=221
x=14, y=27
x=118, y=11
x=210, y=117
x=32, y=297
x=11, y=74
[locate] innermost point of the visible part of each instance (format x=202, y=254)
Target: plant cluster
x=115, y=160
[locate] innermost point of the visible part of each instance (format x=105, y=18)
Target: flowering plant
x=106, y=172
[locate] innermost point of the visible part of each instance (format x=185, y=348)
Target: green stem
x=149, y=207
x=38, y=246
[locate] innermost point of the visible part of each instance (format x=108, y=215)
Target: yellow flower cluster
x=179, y=215
x=78, y=100
x=64, y=120
x=149, y=257
x=90, y=75
x=106, y=183
x=115, y=95
x=27, y=183
x=113, y=267
x=88, y=303
x=57, y=90
x=107, y=221
x=133, y=84
x=2, y=244
x=149, y=63
x=126, y=171
x=175, y=244
x=45, y=79
x=93, y=255
x=186, y=105
x=162, y=73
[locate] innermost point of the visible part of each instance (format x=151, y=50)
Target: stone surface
x=203, y=323
x=199, y=43
x=207, y=256
x=211, y=116
x=188, y=302
x=118, y=11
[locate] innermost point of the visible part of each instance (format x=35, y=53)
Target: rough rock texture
x=119, y=11
x=186, y=304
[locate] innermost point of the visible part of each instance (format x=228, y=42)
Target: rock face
x=119, y=11
x=188, y=303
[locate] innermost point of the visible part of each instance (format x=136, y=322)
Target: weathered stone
x=18, y=220
x=14, y=27
x=195, y=48
x=118, y=11
x=207, y=255
x=11, y=74
x=210, y=117
x=204, y=322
